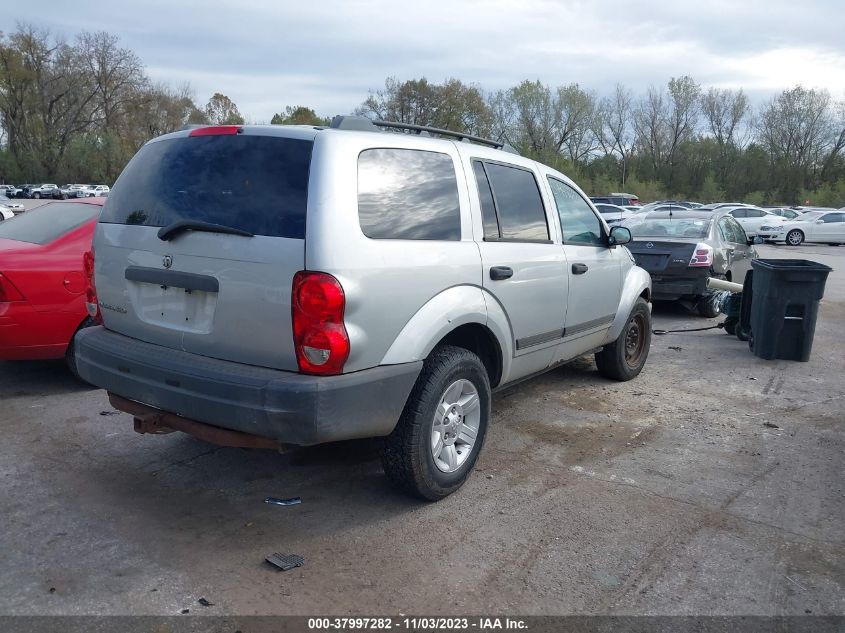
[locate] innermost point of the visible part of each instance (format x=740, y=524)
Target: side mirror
x=819, y=221
x=619, y=235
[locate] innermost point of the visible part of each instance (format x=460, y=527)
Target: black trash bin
x=784, y=306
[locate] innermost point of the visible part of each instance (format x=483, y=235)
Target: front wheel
x=794, y=237
x=440, y=433
x=625, y=357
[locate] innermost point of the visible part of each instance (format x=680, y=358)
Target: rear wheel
x=707, y=307
x=625, y=357
x=794, y=237
x=437, y=440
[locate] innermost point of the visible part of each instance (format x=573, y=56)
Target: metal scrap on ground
x=285, y=561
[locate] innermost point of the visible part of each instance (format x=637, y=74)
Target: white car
x=6, y=213
x=14, y=207
x=753, y=219
x=97, y=190
x=815, y=226
x=612, y=214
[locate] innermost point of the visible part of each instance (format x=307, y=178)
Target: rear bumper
x=285, y=406
x=668, y=287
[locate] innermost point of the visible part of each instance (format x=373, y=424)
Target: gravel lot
x=664, y=495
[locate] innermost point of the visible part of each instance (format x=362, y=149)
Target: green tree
x=297, y=115
x=221, y=110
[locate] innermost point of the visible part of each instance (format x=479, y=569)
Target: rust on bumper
x=155, y=421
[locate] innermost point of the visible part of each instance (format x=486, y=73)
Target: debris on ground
x=185, y=611
x=109, y=412
x=205, y=602
x=676, y=348
x=285, y=561
x=771, y=425
x=283, y=502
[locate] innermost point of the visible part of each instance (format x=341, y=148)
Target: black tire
x=625, y=358
x=406, y=453
x=70, y=354
x=730, y=325
x=706, y=308
x=795, y=237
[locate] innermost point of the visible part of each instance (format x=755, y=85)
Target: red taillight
x=319, y=336
x=91, y=303
x=216, y=130
x=8, y=292
x=702, y=256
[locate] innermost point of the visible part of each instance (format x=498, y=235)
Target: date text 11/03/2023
x=417, y=624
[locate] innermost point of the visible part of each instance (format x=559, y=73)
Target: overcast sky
x=327, y=54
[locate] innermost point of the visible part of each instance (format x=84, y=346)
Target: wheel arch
x=462, y=316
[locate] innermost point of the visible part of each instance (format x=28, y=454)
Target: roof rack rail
x=364, y=124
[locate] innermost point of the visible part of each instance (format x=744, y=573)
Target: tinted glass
x=488, y=207
x=732, y=231
x=756, y=213
x=651, y=226
x=834, y=217
x=603, y=208
x=406, y=194
x=725, y=231
x=257, y=184
x=739, y=213
x=518, y=203
x=49, y=222
x=577, y=220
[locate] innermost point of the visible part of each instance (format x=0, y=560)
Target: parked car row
x=48, y=190
x=239, y=326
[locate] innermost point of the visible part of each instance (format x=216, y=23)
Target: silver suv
x=293, y=285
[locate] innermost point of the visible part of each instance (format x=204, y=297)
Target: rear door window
x=406, y=194
x=257, y=184
x=48, y=222
x=519, y=208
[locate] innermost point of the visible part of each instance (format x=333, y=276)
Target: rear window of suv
x=257, y=184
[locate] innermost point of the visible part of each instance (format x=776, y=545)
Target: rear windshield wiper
x=170, y=231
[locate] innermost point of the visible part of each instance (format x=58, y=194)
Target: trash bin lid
x=791, y=265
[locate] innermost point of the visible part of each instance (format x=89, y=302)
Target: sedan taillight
x=91, y=303
x=702, y=256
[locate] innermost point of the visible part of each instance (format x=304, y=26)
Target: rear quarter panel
x=387, y=282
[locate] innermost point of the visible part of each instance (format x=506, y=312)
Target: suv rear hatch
x=199, y=241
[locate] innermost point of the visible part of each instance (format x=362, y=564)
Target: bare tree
x=796, y=129
x=651, y=122
x=614, y=127
x=725, y=112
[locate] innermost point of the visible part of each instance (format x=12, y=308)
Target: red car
x=42, y=282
